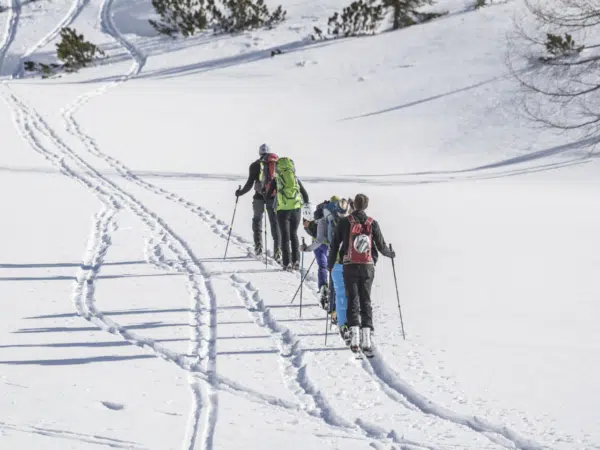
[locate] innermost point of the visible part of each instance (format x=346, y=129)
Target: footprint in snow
x=113, y=406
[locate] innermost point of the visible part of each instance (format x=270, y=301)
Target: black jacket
x=273, y=187
x=341, y=235
x=253, y=175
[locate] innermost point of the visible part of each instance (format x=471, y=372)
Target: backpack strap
x=368, y=225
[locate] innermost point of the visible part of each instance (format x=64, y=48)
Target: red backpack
x=359, y=242
x=267, y=172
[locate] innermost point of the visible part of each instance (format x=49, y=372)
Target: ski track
x=28, y=121
x=69, y=435
x=295, y=371
x=76, y=8
x=388, y=376
x=11, y=31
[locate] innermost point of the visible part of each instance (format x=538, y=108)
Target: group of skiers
x=346, y=242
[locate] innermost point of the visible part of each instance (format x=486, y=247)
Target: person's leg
x=275, y=233
x=352, y=296
x=258, y=208
x=283, y=218
x=341, y=301
x=295, y=219
x=365, y=282
x=321, y=257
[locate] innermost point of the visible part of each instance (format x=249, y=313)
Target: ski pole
x=331, y=304
x=266, y=243
x=326, y=320
x=398, y=295
x=303, y=278
x=237, y=197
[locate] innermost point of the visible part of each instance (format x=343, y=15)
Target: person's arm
x=253, y=173
x=320, y=239
x=303, y=192
x=379, y=242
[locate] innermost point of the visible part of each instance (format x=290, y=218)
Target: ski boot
x=296, y=266
x=258, y=249
x=366, y=345
x=324, y=291
x=277, y=255
x=355, y=339
x=345, y=334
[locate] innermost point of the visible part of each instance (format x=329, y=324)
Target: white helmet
x=362, y=243
x=308, y=212
x=263, y=149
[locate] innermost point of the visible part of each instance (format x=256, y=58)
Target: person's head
x=334, y=198
x=361, y=202
x=263, y=150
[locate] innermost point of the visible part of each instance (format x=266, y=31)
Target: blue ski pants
x=341, y=301
x=321, y=257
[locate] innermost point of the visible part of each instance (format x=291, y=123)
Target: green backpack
x=288, y=189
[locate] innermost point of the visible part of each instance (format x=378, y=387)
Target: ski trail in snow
x=296, y=374
x=388, y=376
x=76, y=8
x=200, y=287
x=69, y=435
x=11, y=31
x=98, y=244
x=108, y=26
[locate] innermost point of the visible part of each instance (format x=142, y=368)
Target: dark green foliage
x=405, y=11
x=188, y=17
x=45, y=69
x=559, y=46
x=74, y=51
x=360, y=17
x=241, y=15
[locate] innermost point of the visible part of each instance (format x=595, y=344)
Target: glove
x=392, y=254
x=238, y=192
x=303, y=247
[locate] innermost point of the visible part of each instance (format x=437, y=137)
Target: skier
x=261, y=173
x=360, y=238
x=320, y=244
x=290, y=196
x=340, y=304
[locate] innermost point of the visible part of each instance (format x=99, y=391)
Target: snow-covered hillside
x=122, y=326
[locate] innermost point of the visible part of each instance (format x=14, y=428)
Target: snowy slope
x=122, y=326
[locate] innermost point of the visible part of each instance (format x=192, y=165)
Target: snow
x=121, y=325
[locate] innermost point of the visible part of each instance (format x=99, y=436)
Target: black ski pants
x=358, y=279
x=258, y=207
x=289, y=221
